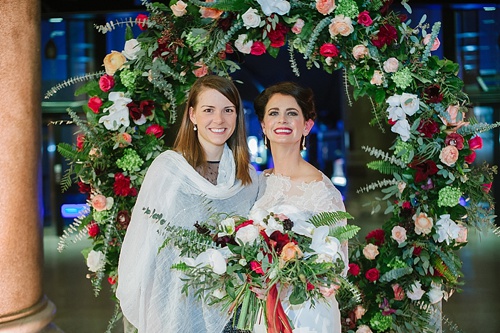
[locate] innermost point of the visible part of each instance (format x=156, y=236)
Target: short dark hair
x=303, y=96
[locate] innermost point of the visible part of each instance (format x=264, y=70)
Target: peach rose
x=364, y=329
x=449, y=155
x=179, y=8
x=462, y=234
x=359, y=51
x=210, y=12
x=328, y=291
x=436, y=43
x=423, y=223
x=359, y=312
x=398, y=234
x=401, y=186
x=391, y=65
x=377, y=78
x=113, y=62
x=297, y=27
x=100, y=202
x=370, y=251
x=325, y=7
x=290, y=251
x=202, y=70
x=399, y=293
x=341, y=25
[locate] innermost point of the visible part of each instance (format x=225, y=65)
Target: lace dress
x=299, y=201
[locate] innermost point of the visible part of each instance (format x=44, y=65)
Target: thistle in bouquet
x=236, y=263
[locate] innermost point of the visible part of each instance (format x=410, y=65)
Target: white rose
x=394, y=100
x=131, y=48
x=370, y=251
x=416, y=291
x=279, y=7
x=179, y=8
x=391, y=65
x=242, y=45
x=410, y=103
x=96, y=260
x=402, y=127
x=251, y=18
x=398, y=233
x=247, y=235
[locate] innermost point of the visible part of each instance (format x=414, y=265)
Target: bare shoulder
x=310, y=174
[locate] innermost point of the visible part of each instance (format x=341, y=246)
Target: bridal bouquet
x=235, y=262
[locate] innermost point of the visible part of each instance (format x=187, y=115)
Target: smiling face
x=284, y=121
x=215, y=117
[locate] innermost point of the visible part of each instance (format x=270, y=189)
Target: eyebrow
x=277, y=108
x=213, y=107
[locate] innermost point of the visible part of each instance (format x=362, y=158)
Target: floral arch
x=432, y=191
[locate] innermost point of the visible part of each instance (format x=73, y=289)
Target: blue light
x=74, y=210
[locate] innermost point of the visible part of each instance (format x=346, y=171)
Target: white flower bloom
x=279, y=7
x=241, y=44
x=303, y=228
x=394, y=100
x=251, y=18
x=226, y=227
x=116, y=118
x=416, y=291
x=96, y=260
x=132, y=47
x=402, y=127
x=322, y=243
x=447, y=229
x=396, y=113
x=364, y=329
x=410, y=103
x=247, y=235
x=214, y=259
x=436, y=293
x=119, y=100
x=273, y=225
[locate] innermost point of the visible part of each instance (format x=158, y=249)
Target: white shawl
x=149, y=291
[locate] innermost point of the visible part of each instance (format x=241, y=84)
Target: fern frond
x=71, y=81
x=383, y=167
x=66, y=180
x=345, y=232
x=395, y=274
x=378, y=153
x=377, y=184
x=66, y=150
x=328, y=218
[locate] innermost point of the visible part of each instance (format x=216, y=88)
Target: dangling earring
x=303, y=143
x=195, y=127
x=265, y=141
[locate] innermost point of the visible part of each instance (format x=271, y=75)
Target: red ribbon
x=277, y=320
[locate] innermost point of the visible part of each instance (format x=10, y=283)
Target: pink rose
x=370, y=251
x=449, y=155
x=399, y=293
x=469, y=159
x=155, y=130
x=94, y=104
x=328, y=50
x=99, y=202
x=359, y=51
x=106, y=82
x=258, y=48
x=365, y=19
x=325, y=7
x=423, y=224
x=391, y=65
x=436, y=43
x=476, y=143
x=340, y=25
x=202, y=70
x=377, y=78
x=398, y=233
x=297, y=27
x=141, y=20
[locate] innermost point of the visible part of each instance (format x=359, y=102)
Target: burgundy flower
x=141, y=20
x=134, y=111
x=122, y=186
x=455, y=139
x=123, y=219
x=424, y=170
x=386, y=309
x=365, y=19
x=226, y=23
x=147, y=107
x=94, y=104
x=279, y=240
x=386, y=36
x=372, y=274
x=432, y=94
x=278, y=35
x=93, y=229
x=428, y=127
x=385, y=7
x=353, y=269
x=83, y=188
x=417, y=250
x=258, y=48
x=155, y=130
x=328, y=50
x=376, y=237
x=106, y=82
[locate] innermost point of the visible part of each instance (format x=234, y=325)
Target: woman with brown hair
x=207, y=171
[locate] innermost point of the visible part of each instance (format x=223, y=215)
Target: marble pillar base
x=35, y=319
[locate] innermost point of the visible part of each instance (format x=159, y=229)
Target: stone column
x=23, y=306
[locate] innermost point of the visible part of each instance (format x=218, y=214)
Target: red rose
x=106, y=82
x=424, y=170
x=365, y=19
x=353, y=269
x=258, y=48
x=141, y=20
x=376, y=236
x=428, y=127
x=309, y=286
x=122, y=186
x=155, y=130
x=80, y=139
x=328, y=50
x=433, y=94
x=406, y=205
x=112, y=279
x=454, y=139
x=278, y=35
x=386, y=36
x=256, y=267
x=476, y=143
x=469, y=159
x=83, y=188
x=94, y=104
x=93, y=229
x=372, y=274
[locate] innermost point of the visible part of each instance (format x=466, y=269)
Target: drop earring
x=195, y=127
x=265, y=141
x=303, y=143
